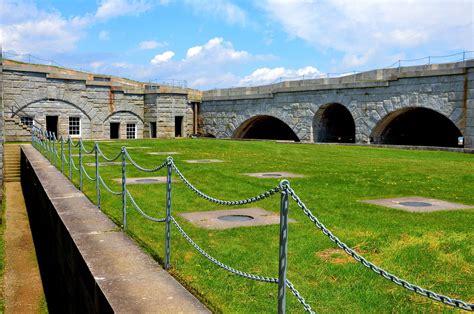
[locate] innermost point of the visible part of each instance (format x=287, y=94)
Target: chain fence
x=46, y=144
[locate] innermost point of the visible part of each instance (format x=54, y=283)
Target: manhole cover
x=235, y=218
x=271, y=175
x=146, y=180
x=415, y=204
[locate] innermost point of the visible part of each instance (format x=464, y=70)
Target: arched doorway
x=333, y=123
x=417, y=126
x=265, y=127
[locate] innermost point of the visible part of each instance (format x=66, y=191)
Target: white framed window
x=74, y=126
x=28, y=121
x=131, y=130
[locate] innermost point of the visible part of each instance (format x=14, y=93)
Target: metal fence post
x=80, y=165
x=124, y=189
x=70, y=157
x=283, y=256
x=43, y=137
x=97, y=181
x=48, y=146
x=54, y=150
x=62, y=155
x=50, y=137
x=168, y=211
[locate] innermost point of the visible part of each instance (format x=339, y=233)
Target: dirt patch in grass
x=334, y=256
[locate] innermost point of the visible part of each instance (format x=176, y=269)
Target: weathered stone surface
x=97, y=267
x=440, y=88
x=40, y=91
x=370, y=97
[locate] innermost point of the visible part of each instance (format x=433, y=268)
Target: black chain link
x=105, y=157
x=87, y=175
x=144, y=169
x=74, y=165
x=254, y=199
x=107, y=188
x=220, y=264
x=135, y=205
x=403, y=283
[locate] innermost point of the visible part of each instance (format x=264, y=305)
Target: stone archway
x=265, y=127
x=333, y=123
x=416, y=126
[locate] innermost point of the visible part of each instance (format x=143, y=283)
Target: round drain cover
x=415, y=204
x=271, y=175
x=146, y=180
x=235, y=218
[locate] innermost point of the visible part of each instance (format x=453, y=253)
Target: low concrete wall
x=87, y=264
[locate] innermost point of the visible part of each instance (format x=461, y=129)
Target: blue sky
x=223, y=43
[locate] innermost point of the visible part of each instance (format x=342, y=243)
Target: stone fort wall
x=372, y=98
x=41, y=92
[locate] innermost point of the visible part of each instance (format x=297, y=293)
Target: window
x=131, y=130
x=74, y=126
x=28, y=121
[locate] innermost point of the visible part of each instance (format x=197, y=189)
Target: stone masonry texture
x=446, y=89
x=372, y=98
x=39, y=92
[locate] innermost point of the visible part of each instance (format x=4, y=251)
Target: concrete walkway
x=130, y=280
x=23, y=287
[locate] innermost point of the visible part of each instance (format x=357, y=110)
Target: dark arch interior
x=334, y=123
x=421, y=127
x=268, y=128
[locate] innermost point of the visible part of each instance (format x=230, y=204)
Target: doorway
x=178, y=126
x=153, y=129
x=114, y=130
x=52, y=125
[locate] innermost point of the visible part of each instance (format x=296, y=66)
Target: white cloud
x=268, y=76
x=27, y=29
x=193, y=51
x=150, y=44
x=96, y=64
x=104, y=35
x=209, y=65
x=225, y=10
x=355, y=27
x=162, y=58
x=216, y=50
x=114, y=8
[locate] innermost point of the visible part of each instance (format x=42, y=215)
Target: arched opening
x=265, y=127
x=417, y=126
x=333, y=123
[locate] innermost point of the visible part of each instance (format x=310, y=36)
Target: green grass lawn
x=433, y=250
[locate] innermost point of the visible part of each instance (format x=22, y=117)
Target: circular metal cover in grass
x=416, y=204
x=235, y=218
x=146, y=180
x=203, y=160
